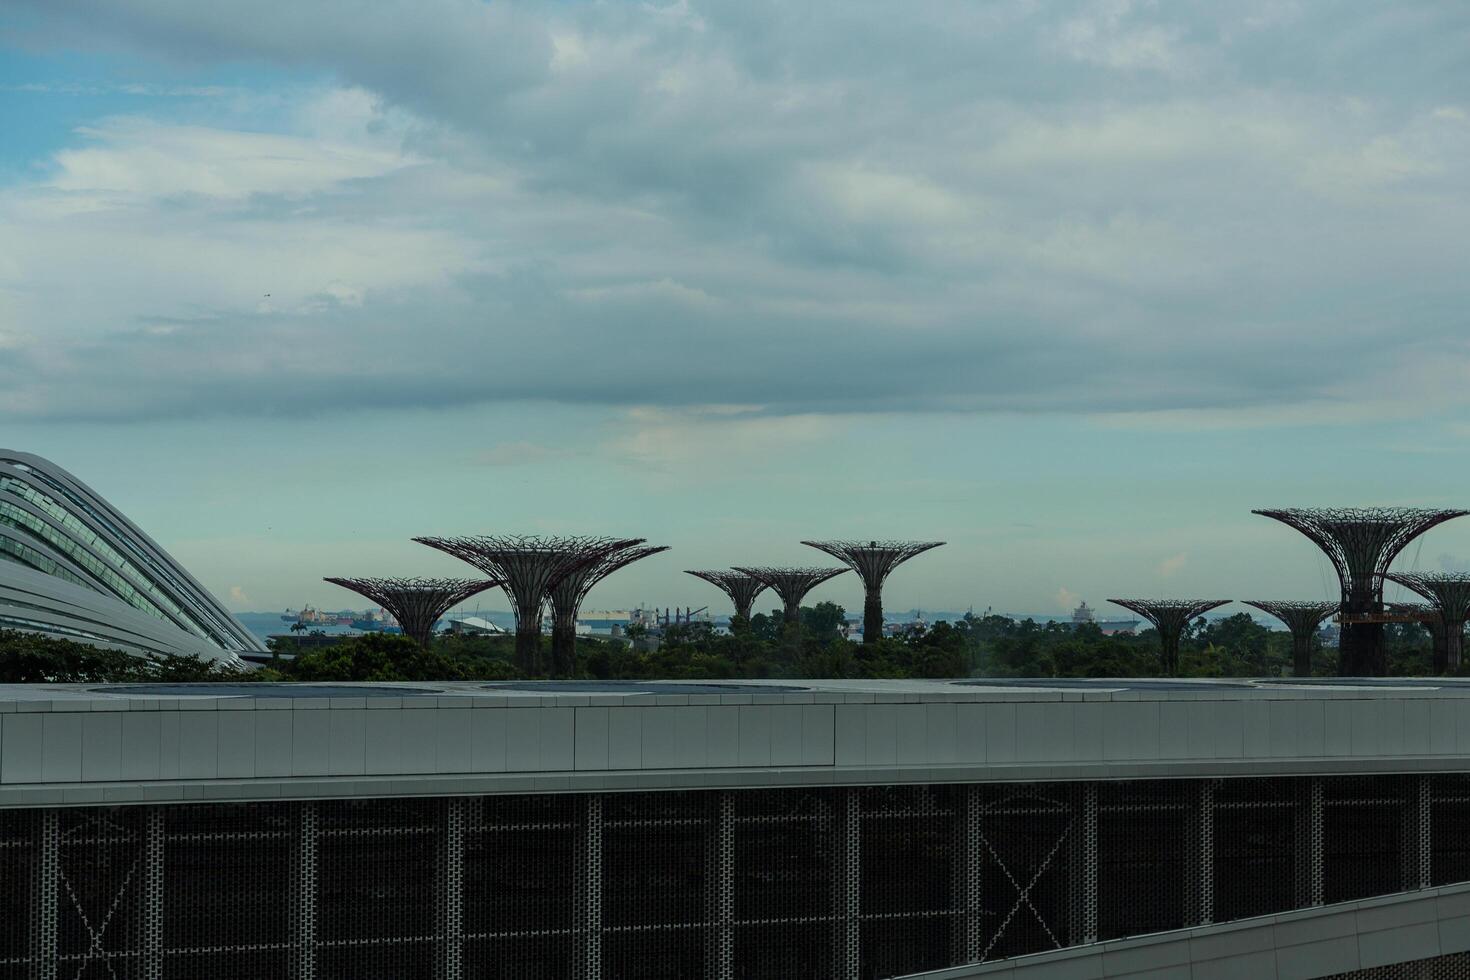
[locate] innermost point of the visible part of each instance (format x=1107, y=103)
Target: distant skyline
x=1070, y=286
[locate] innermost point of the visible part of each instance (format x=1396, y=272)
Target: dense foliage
x=26, y=658
x=990, y=646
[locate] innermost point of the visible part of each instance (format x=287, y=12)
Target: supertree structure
x=530, y=566
x=741, y=587
x=1169, y=617
x=873, y=561
x=1449, y=592
x=1302, y=619
x=417, y=603
x=566, y=599
x=1361, y=542
x=791, y=584
x=1427, y=615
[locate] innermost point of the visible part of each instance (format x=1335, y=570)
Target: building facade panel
x=850, y=882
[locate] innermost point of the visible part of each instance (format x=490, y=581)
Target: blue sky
x=1072, y=286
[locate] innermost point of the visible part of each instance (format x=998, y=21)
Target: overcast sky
x=1072, y=286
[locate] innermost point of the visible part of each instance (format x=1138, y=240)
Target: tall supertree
x=1303, y=620
x=530, y=566
x=791, y=584
x=417, y=603
x=873, y=561
x=1169, y=617
x=741, y=587
x=566, y=598
x=1361, y=542
x=1449, y=592
x=1427, y=615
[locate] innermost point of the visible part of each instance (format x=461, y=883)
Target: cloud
x=1109, y=34
x=1172, y=565
x=238, y=596
x=662, y=208
x=520, y=453
x=1066, y=599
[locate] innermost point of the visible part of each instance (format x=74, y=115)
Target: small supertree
x=741, y=587
x=1450, y=594
x=1303, y=620
x=530, y=566
x=417, y=603
x=1427, y=615
x=873, y=561
x=1361, y=542
x=1169, y=617
x=567, y=595
x=791, y=584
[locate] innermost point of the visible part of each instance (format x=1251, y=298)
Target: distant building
x=475, y=626
x=1083, y=615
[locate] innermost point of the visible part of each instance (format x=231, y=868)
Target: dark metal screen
x=857, y=883
x=520, y=883
x=1262, y=847
x=1455, y=966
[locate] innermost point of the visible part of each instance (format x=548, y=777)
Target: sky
x=1072, y=286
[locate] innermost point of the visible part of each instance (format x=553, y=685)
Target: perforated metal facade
x=861, y=882
x=1455, y=966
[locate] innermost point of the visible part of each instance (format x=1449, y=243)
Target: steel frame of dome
x=74, y=567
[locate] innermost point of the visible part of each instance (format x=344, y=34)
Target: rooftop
x=580, y=693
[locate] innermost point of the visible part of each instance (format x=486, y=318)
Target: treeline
x=26, y=658
x=989, y=646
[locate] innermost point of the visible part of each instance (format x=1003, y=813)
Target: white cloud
x=1107, y=35
x=1172, y=565
x=666, y=207
x=135, y=158
x=691, y=439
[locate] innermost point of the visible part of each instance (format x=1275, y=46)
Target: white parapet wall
x=1302, y=945
x=81, y=744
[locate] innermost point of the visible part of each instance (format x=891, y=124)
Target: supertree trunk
x=1360, y=651
x=873, y=616
x=793, y=613
x=1301, y=650
x=1169, y=653
x=528, y=648
x=1454, y=646
x=563, y=648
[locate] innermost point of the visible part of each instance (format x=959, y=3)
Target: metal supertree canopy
x=530, y=566
x=1169, y=617
x=1302, y=618
x=1361, y=542
x=417, y=603
x=873, y=561
x=791, y=583
x=566, y=598
x=1449, y=592
x=741, y=587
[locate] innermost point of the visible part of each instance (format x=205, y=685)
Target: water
x=268, y=624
